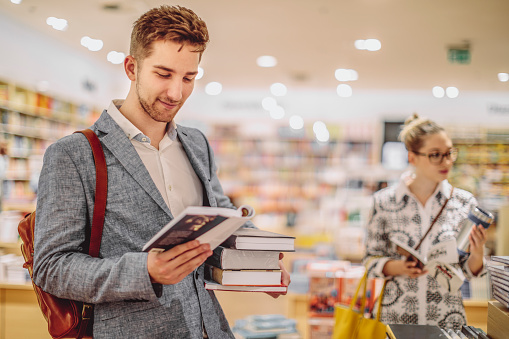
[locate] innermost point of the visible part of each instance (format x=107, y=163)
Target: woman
x=407, y=210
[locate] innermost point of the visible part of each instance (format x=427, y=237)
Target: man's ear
x=130, y=66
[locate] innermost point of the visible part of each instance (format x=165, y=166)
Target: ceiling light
x=93, y=45
x=266, y=61
x=452, y=92
x=342, y=74
x=277, y=113
x=368, y=44
x=269, y=103
x=504, y=77
x=213, y=88
x=296, y=122
x=116, y=57
x=56, y=23
x=319, y=126
x=278, y=89
x=200, y=73
x=16, y=2
x=344, y=91
x=438, y=92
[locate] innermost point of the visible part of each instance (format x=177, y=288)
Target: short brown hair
x=174, y=23
x=415, y=130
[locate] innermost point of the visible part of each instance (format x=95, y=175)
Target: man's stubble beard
x=153, y=113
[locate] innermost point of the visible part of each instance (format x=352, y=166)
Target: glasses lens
x=435, y=157
x=453, y=154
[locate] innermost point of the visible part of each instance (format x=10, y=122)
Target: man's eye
x=164, y=75
x=434, y=155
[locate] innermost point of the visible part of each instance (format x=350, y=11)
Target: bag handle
x=101, y=191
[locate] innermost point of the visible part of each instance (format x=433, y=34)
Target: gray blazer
x=127, y=304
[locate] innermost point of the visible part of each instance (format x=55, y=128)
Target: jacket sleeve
x=60, y=266
x=378, y=245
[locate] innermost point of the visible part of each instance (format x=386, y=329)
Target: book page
x=444, y=252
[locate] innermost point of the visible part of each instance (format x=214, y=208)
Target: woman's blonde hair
x=415, y=130
x=174, y=23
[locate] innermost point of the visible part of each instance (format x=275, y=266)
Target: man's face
x=165, y=79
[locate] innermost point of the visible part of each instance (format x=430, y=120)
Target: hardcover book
x=245, y=277
x=405, y=331
x=210, y=225
x=437, y=261
x=214, y=286
x=232, y=259
x=256, y=239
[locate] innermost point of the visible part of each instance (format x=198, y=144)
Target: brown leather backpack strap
x=101, y=191
x=434, y=220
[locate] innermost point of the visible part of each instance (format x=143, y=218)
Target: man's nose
x=174, y=90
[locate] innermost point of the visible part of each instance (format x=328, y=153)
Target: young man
x=155, y=170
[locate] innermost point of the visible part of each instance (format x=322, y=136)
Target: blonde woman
x=407, y=210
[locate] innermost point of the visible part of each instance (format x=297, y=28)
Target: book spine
x=231, y=242
x=216, y=258
x=217, y=274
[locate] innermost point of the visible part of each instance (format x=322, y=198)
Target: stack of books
x=248, y=261
x=498, y=269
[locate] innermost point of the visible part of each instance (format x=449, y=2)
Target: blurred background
x=301, y=100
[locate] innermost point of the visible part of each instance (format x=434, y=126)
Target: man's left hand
x=285, y=277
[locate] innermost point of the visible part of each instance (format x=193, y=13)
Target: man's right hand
x=173, y=265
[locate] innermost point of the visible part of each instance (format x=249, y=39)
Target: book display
x=29, y=122
x=498, y=269
x=498, y=320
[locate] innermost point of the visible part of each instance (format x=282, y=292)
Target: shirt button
x=169, y=187
x=143, y=139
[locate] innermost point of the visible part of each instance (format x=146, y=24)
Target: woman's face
x=435, y=145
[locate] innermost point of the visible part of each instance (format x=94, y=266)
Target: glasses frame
x=448, y=154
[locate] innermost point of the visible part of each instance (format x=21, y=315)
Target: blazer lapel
x=120, y=146
x=197, y=165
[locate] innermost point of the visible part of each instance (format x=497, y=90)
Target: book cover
x=244, y=277
x=214, y=286
x=210, y=225
x=437, y=261
x=405, y=331
x=256, y=239
x=233, y=259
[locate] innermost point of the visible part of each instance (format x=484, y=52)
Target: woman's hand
x=402, y=267
x=477, y=239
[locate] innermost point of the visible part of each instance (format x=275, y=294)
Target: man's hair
x=173, y=23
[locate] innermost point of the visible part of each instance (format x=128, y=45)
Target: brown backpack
x=69, y=318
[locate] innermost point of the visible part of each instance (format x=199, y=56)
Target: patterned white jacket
x=397, y=211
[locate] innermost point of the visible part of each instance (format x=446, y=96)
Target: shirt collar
x=402, y=189
x=129, y=129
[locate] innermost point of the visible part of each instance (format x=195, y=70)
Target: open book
x=437, y=261
x=209, y=225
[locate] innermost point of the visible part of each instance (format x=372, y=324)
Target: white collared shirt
x=168, y=166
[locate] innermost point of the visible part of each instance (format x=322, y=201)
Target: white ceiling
x=311, y=39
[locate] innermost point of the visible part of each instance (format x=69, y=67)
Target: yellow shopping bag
x=351, y=324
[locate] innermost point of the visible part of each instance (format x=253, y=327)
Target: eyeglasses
x=436, y=158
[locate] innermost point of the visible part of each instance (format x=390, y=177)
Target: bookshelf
x=29, y=122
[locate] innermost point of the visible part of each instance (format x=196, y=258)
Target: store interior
x=305, y=139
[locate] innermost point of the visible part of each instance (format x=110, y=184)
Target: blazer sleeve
x=60, y=266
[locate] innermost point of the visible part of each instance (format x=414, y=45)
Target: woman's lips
x=444, y=171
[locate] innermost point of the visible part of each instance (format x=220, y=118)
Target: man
x=155, y=170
